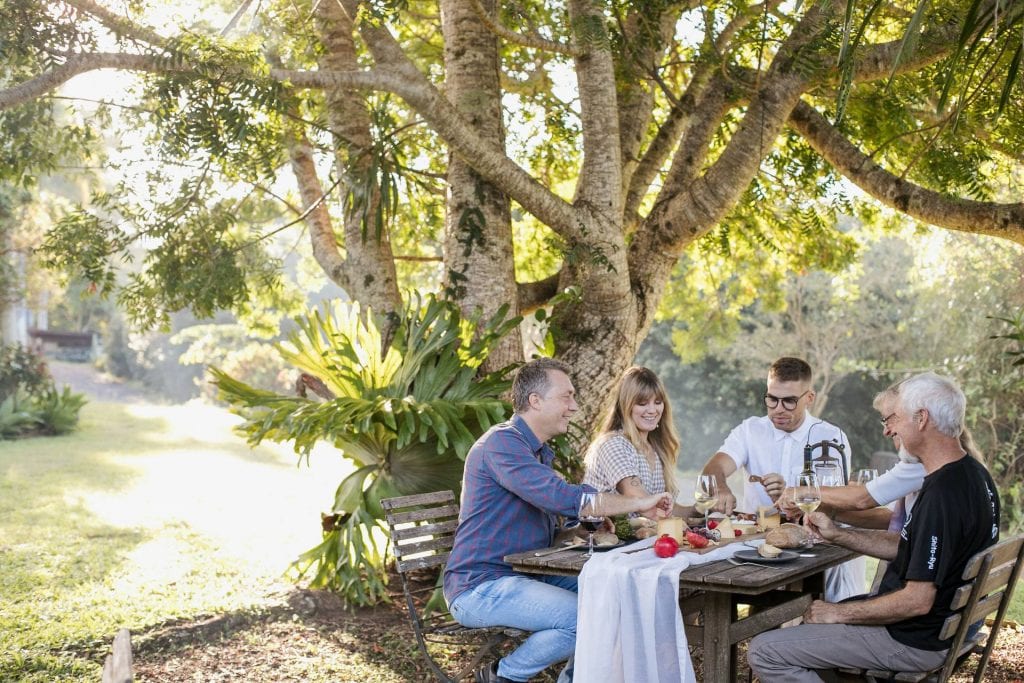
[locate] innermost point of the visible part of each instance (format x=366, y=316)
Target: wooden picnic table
x=776, y=594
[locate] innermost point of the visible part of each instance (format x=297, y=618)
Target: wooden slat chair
x=422, y=530
x=991, y=576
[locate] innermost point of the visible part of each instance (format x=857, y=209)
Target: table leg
x=719, y=655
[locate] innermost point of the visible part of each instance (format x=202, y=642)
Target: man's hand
x=821, y=612
x=660, y=506
x=821, y=524
x=726, y=502
x=787, y=504
x=774, y=484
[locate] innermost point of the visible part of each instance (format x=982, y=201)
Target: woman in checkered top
x=634, y=451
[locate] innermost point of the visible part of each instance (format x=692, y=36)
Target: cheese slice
x=725, y=529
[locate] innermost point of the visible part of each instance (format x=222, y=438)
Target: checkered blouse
x=613, y=458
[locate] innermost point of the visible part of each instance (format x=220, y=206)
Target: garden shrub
x=30, y=404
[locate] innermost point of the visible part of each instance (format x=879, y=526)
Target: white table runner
x=630, y=628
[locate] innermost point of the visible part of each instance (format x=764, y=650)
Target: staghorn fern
x=404, y=412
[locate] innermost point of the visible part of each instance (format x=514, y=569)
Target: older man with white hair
x=956, y=515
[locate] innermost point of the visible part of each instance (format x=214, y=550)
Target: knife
x=551, y=551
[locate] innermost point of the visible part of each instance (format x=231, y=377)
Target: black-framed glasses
x=788, y=402
x=885, y=420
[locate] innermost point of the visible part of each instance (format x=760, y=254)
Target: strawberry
x=712, y=524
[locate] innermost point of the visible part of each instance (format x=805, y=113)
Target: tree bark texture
x=478, y=256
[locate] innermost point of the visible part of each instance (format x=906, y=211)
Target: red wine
x=592, y=523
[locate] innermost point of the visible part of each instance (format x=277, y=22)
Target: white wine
x=808, y=506
x=703, y=502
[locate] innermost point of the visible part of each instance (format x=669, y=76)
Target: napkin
x=629, y=627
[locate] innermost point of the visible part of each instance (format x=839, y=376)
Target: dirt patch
x=309, y=636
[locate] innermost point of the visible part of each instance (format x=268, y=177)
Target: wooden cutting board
x=723, y=542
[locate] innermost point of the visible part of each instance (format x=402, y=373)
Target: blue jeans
x=545, y=605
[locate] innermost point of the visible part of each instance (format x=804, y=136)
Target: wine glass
x=863, y=476
x=589, y=519
x=829, y=474
x=705, y=495
x=808, y=493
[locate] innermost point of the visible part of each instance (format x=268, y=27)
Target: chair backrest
x=991, y=576
x=422, y=528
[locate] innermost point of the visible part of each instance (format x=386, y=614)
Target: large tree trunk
x=478, y=257
x=369, y=262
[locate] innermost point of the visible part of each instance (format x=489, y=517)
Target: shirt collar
x=800, y=435
x=520, y=424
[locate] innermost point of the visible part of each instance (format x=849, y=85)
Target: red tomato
x=712, y=524
x=737, y=533
x=666, y=546
x=696, y=540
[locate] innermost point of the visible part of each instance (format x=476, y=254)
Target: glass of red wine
x=591, y=524
x=589, y=518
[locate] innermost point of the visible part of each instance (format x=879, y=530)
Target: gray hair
x=532, y=378
x=889, y=393
x=940, y=396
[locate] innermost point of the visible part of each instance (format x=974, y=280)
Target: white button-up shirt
x=759, y=447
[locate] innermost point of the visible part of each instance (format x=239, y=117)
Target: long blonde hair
x=639, y=385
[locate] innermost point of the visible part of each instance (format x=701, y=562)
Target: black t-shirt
x=956, y=515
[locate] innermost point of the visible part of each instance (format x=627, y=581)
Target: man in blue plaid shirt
x=511, y=501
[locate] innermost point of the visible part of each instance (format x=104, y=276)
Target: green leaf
x=350, y=492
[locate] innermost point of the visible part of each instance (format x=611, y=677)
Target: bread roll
x=787, y=536
x=605, y=538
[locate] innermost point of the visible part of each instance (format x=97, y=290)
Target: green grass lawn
x=146, y=515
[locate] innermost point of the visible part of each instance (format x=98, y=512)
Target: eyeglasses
x=885, y=420
x=788, y=402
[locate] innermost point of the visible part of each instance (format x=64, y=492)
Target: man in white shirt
x=772, y=447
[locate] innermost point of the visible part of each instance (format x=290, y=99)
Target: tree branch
x=118, y=24
x=533, y=295
x=502, y=31
x=80, y=64
x=491, y=162
x=953, y=213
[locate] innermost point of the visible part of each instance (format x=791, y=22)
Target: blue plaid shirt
x=511, y=497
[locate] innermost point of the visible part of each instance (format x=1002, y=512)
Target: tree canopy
x=594, y=160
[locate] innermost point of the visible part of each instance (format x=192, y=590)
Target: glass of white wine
x=705, y=495
x=808, y=493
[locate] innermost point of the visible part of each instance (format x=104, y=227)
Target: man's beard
x=906, y=456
